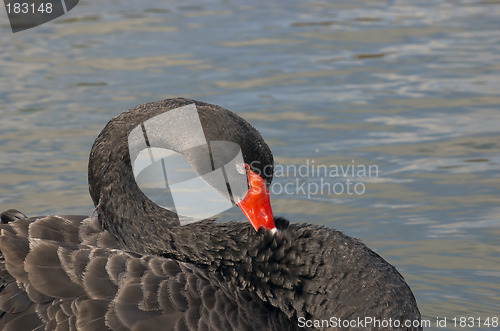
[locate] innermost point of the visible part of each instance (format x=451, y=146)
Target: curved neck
x=124, y=210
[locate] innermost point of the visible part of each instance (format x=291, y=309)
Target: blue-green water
x=407, y=87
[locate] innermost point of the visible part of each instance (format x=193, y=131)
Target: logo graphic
x=26, y=14
x=178, y=169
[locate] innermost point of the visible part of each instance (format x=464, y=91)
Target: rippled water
x=409, y=88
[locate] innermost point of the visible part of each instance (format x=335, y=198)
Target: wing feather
x=52, y=280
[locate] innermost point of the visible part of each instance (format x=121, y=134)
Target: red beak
x=255, y=205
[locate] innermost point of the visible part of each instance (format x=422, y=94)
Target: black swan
x=135, y=267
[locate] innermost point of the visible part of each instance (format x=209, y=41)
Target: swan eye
x=242, y=168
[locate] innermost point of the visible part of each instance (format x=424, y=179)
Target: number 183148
x=475, y=322
x=29, y=8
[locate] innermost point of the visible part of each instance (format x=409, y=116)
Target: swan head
x=193, y=159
